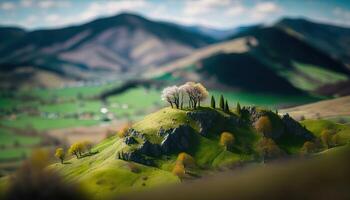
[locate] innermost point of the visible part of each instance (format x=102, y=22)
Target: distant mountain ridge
x=220, y=34
x=122, y=43
x=332, y=39
x=270, y=59
x=296, y=52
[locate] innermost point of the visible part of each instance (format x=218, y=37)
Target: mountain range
x=291, y=56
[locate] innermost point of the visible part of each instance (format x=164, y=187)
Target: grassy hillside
x=104, y=173
x=106, y=170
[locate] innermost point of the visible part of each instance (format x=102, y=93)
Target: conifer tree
x=238, y=109
x=222, y=102
x=212, y=102
x=227, y=109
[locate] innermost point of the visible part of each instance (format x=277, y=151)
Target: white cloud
x=236, y=10
x=262, y=10
x=45, y=4
x=52, y=18
x=340, y=12
x=266, y=7
x=198, y=7
x=7, y=6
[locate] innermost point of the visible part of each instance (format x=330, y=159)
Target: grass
x=15, y=153
x=8, y=138
x=43, y=124
x=317, y=126
x=102, y=175
x=312, y=76
x=271, y=101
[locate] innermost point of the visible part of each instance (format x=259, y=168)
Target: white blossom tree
x=191, y=91
x=171, y=95
x=201, y=93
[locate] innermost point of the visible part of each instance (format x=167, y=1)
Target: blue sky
x=34, y=14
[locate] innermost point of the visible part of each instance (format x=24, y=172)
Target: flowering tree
x=201, y=93
x=171, y=95
x=191, y=91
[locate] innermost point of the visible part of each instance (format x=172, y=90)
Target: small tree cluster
x=193, y=92
x=309, y=147
x=227, y=139
x=179, y=170
x=326, y=138
x=263, y=125
x=60, y=154
x=79, y=148
x=267, y=148
x=183, y=161
x=329, y=139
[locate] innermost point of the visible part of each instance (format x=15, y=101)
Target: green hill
x=146, y=156
x=151, y=149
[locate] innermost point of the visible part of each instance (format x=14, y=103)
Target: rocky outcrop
x=134, y=156
x=206, y=120
x=150, y=149
x=130, y=140
x=174, y=140
x=177, y=139
x=293, y=127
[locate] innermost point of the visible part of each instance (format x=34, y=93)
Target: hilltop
x=147, y=153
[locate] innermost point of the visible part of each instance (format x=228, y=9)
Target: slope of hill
x=324, y=109
x=154, y=143
x=267, y=59
x=10, y=34
x=331, y=39
x=120, y=44
x=147, y=155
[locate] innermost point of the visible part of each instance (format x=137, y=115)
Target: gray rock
x=205, y=120
x=134, y=156
x=130, y=140
x=150, y=149
x=177, y=139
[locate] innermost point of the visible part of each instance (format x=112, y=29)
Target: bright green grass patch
x=73, y=107
x=133, y=100
x=10, y=139
x=317, y=126
x=271, y=101
x=312, y=76
x=15, y=153
x=103, y=175
x=72, y=92
x=116, y=178
x=42, y=124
